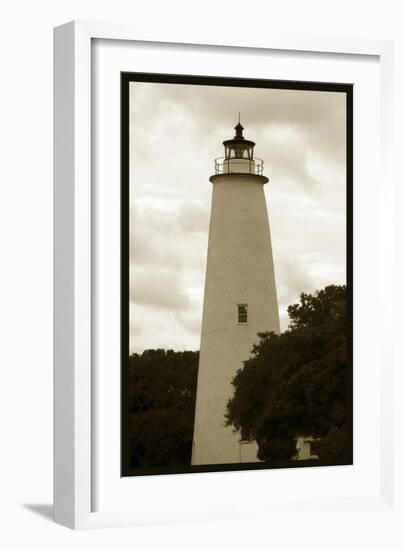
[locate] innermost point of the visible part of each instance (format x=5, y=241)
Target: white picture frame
x=74, y=393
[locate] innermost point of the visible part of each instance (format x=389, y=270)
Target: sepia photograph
x=236, y=272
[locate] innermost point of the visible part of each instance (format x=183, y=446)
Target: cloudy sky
x=176, y=131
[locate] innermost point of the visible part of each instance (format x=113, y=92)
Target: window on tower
x=242, y=313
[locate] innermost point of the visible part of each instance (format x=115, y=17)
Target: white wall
x=239, y=270
x=26, y=267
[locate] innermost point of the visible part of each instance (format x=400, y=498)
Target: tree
x=296, y=383
x=162, y=393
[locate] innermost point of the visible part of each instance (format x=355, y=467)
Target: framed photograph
x=215, y=360
x=218, y=223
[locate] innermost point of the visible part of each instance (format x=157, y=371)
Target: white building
x=240, y=297
x=304, y=448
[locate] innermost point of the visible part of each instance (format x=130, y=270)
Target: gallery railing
x=225, y=165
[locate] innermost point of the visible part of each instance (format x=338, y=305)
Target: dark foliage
x=162, y=393
x=296, y=383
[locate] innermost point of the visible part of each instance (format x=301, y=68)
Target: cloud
x=182, y=113
x=160, y=328
x=160, y=288
x=291, y=275
x=173, y=235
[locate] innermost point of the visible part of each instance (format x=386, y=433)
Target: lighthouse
x=240, y=298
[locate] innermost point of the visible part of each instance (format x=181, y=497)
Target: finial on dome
x=239, y=128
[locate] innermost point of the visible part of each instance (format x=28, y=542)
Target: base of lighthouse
x=239, y=285
x=228, y=451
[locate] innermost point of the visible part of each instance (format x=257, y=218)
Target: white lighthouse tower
x=240, y=297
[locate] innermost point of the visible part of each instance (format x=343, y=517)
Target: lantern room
x=239, y=147
x=239, y=157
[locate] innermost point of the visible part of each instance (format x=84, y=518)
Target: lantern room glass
x=239, y=151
